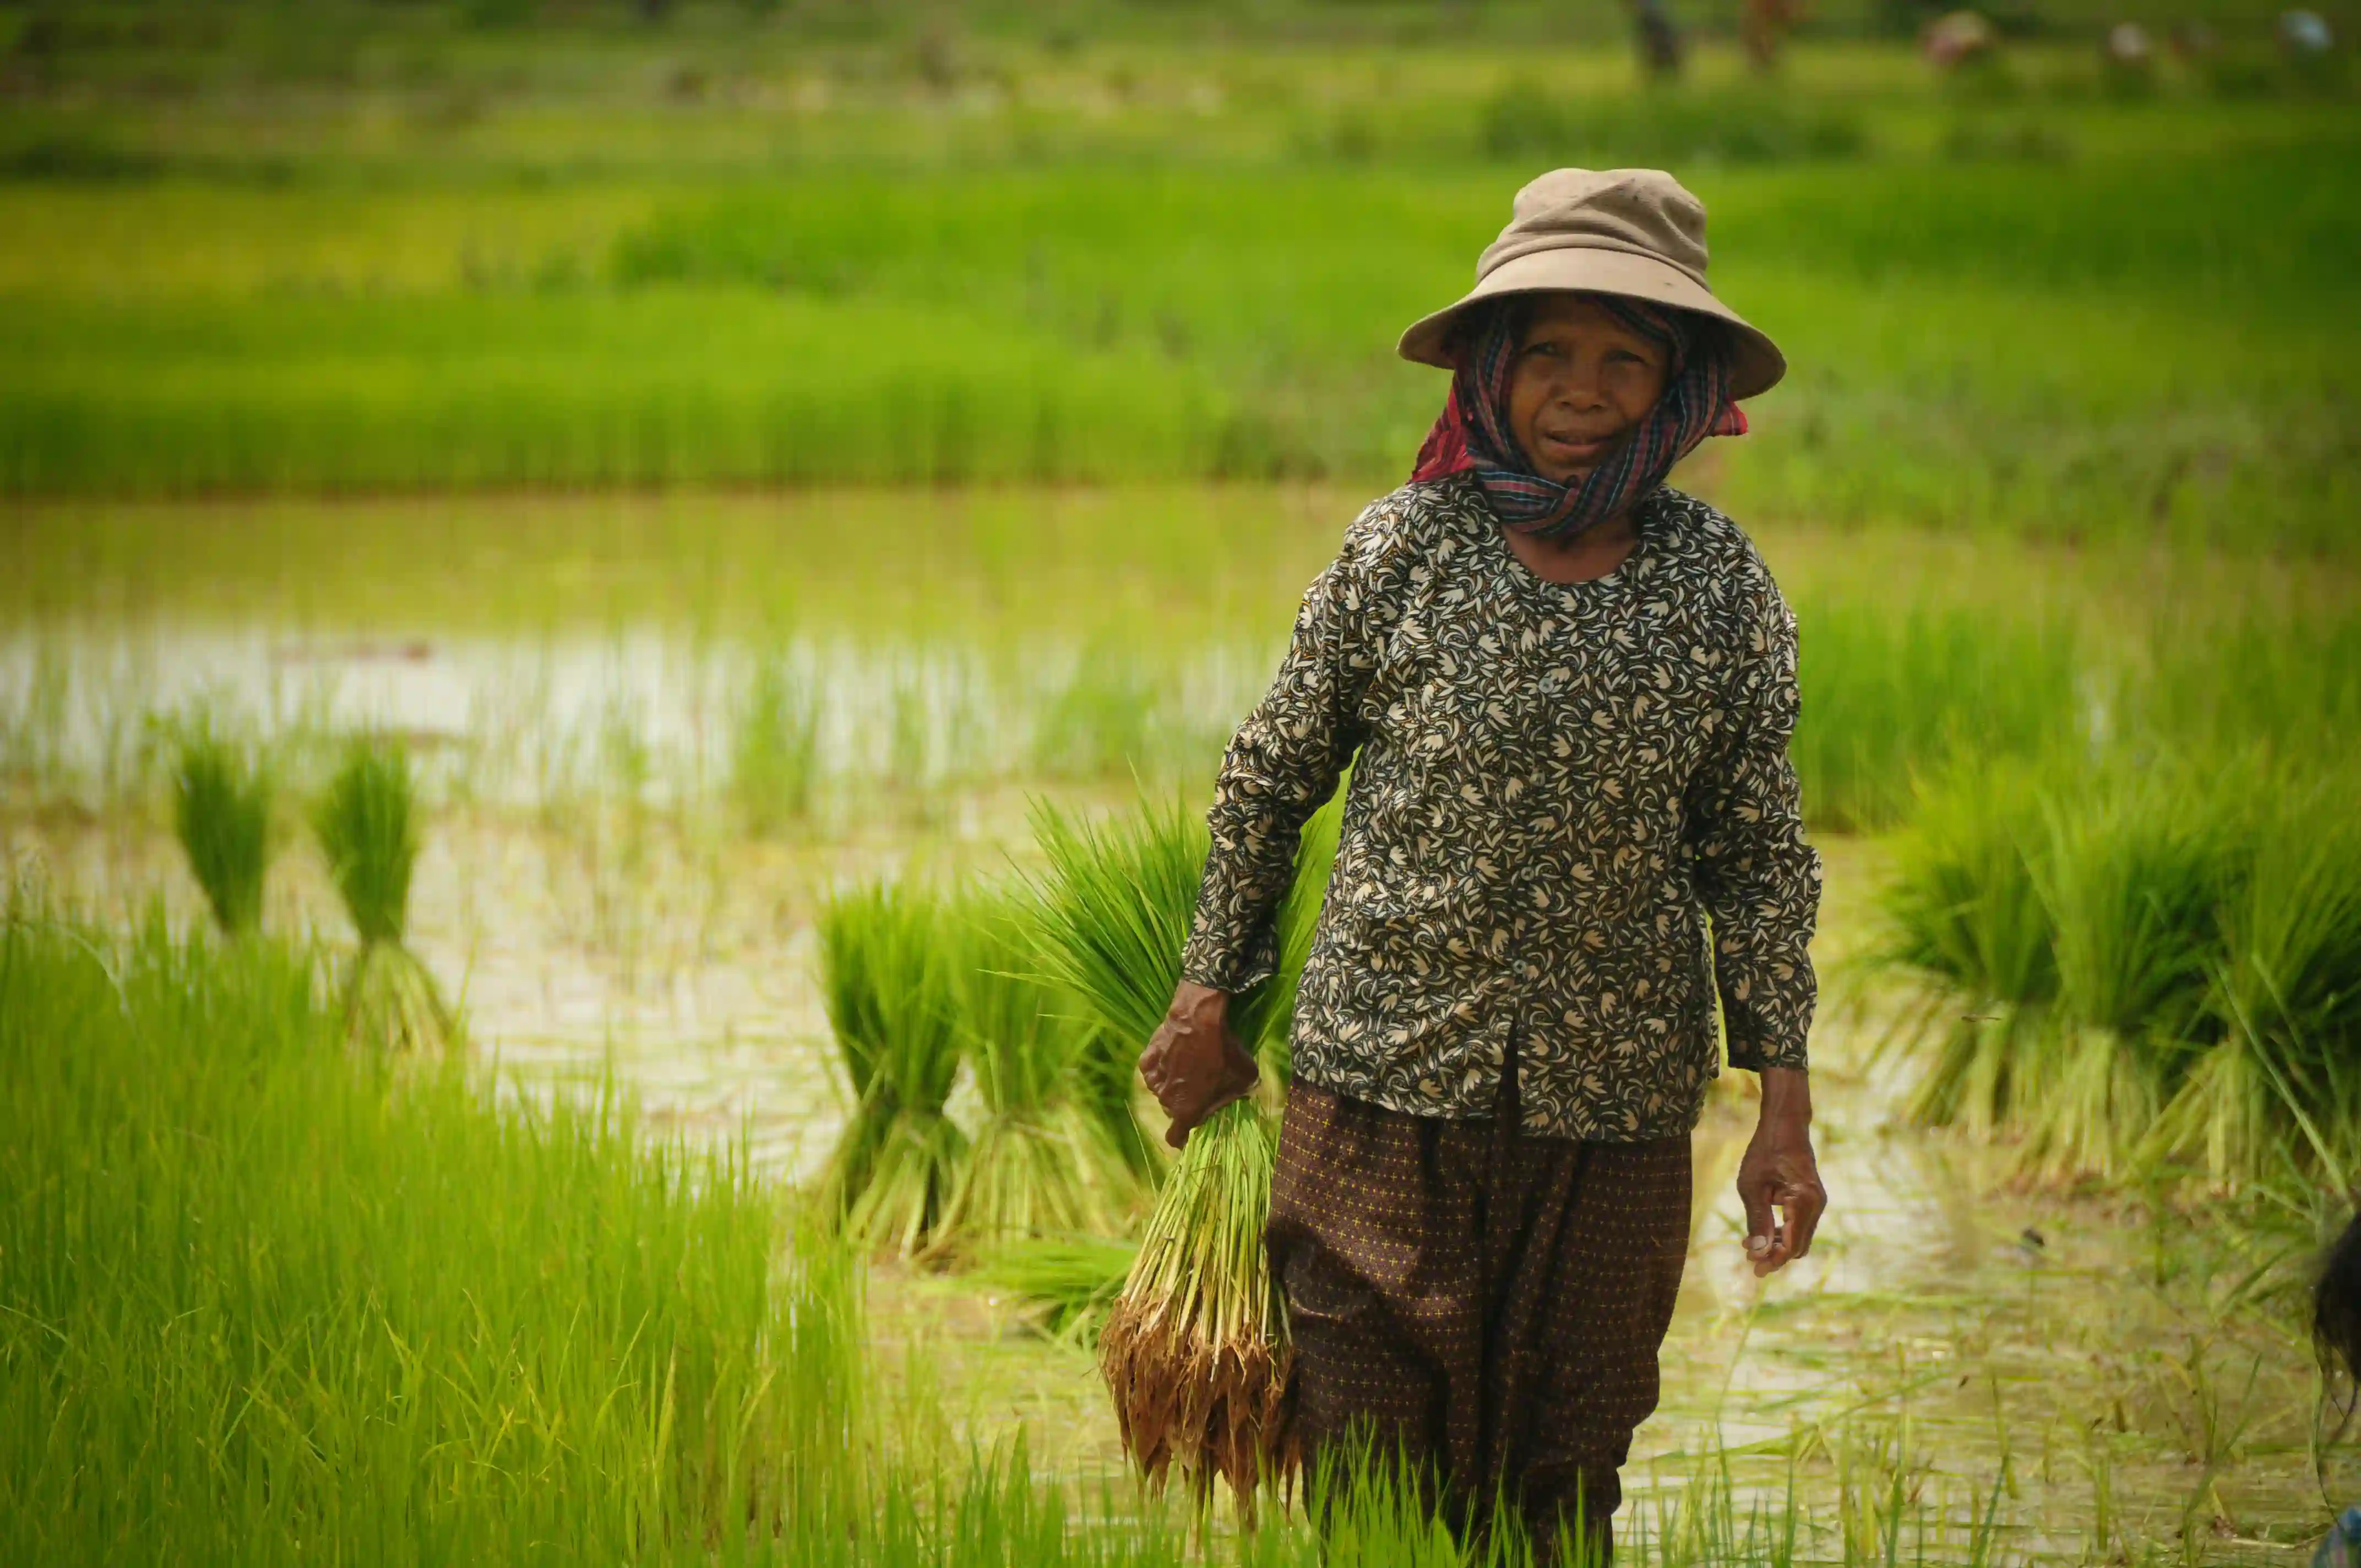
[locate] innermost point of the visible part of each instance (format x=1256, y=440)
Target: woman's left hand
x=1780, y=1173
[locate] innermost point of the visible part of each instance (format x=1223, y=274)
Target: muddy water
x=2064, y=1364
x=653, y=716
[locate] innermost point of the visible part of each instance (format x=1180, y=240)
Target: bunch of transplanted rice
x=1195, y=1348
x=366, y=824
x=2142, y=965
x=1037, y=1167
x=888, y=977
x=221, y=813
x=2278, y=1091
x=1072, y=1280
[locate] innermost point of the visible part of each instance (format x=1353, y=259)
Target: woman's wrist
x=1199, y=1004
x=1786, y=1097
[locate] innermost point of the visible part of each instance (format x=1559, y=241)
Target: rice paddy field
x=615, y=622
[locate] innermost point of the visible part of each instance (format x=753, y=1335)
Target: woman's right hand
x=1194, y=1064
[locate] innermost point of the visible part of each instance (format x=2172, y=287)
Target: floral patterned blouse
x=1557, y=784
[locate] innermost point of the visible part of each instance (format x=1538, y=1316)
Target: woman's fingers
x=1783, y=1210
x=1802, y=1208
x=1761, y=1235
x=1193, y=1070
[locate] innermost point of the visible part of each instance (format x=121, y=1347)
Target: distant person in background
x=1659, y=39
x=1763, y=26
x=1569, y=689
x=2337, y=1332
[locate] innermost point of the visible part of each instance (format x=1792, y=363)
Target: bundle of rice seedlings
x=367, y=825
x=887, y=980
x=2279, y=1088
x=2130, y=871
x=1071, y=1280
x=1195, y=1349
x=1034, y=1166
x=1965, y=912
x=221, y=813
x=2142, y=966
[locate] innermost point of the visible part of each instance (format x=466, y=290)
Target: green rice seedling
x=2143, y=964
x=1101, y=721
x=2131, y=871
x=1892, y=691
x=301, y=1316
x=888, y=978
x=775, y=753
x=1117, y=899
x=1298, y=923
x=1195, y=1350
x=1071, y=1280
x=2279, y=1088
x=1964, y=908
x=368, y=828
x=1106, y=1088
x=842, y=323
x=1035, y=1167
x=221, y=813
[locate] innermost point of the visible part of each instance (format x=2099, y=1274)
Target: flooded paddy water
x=2100, y=1378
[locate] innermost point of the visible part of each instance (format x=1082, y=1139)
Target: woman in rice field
x=1569, y=689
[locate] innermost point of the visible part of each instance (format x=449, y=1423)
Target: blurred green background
x=343, y=247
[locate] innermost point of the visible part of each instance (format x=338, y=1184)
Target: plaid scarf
x=1695, y=404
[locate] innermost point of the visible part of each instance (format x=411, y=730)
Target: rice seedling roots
x=1195, y=1352
x=1215, y=1410
x=392, y=1003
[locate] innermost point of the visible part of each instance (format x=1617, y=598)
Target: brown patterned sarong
x=1486, y=1304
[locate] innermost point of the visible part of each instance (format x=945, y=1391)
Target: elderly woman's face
x=1582, y=380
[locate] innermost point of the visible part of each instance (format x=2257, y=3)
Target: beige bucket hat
x=1634, y=232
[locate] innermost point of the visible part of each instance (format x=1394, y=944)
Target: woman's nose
x=1580, y=390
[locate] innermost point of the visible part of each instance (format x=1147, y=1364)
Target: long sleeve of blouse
x=1283, y=764
x=1572, y=822
x=1758, y=877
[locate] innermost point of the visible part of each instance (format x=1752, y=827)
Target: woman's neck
x=1590, y=554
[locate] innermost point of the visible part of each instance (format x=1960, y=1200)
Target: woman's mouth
x=1579, y=449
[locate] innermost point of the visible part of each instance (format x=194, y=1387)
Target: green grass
x=260, y=1304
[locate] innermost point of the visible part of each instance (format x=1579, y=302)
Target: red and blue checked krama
x=1695, y=404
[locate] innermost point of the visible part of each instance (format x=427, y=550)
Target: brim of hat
x=1756, y=364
